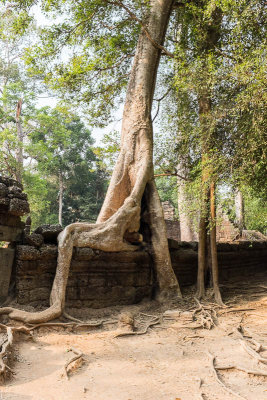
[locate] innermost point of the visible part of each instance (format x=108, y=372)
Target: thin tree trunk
x=202, y=234
x=133, y=173
x=213, y=246
x=19, y=149
x=239, y=211
x=60, y=197
x=204, y=107
x=204, y=102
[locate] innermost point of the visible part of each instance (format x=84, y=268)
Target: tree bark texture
x=187, y=230
x=133, y=173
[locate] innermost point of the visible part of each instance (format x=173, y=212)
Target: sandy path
x=164, y=364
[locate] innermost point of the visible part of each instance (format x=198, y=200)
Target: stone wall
x=225, y=229
x=96, y=279
x=172, y=225
x=173, y=230
x=99, y=279
x=13, y=204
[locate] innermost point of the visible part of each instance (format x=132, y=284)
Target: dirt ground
x=171, y=361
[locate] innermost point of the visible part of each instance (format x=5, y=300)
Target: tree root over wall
x=131, y=184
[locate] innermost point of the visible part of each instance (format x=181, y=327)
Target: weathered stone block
x=34, y=239
x=18, y=207
x=10, y=182
x=4, y=204
x=6, y=262
x=10, y=234
x=25, y=252
x=49, y=232
x=48, y=252
x=3, y=190
x=11, y=220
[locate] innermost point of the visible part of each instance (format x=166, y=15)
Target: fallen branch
x=214, y=370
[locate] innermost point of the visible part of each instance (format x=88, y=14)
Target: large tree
x=132, y=189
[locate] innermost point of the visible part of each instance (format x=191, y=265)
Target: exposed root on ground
x=78, y=356
x=238, y=368
x=5, y=347
x=246, y=340
x=215, y=373
x=69, y=317
x=73, y=325
x=253, y=353
x=207, y=314
x=155, y=321
x=230, y=310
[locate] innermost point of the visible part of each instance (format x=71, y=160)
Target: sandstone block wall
x=98, y=279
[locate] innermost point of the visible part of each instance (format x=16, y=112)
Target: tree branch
x=171, y=174
x=144, y=27
x=159, y=100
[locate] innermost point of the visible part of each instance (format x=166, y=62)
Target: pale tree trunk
x=133, y=173
x=207, y=195
x=19, y=149
x=239, y=210
x=187, y=231
x=60, y=197
x=213, y=246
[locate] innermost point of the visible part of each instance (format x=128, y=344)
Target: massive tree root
x=119, y=219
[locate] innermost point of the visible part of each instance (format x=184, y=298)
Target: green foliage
x=86, y=55
x=255, y=211
x=40, y=195
x=14, y=84
x=167, y=188
x=108, y=152
x=61, y=145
